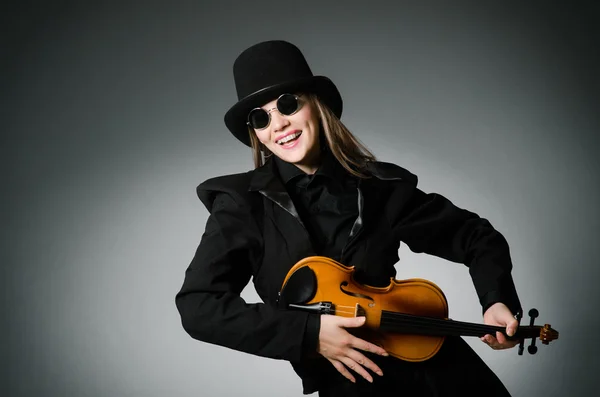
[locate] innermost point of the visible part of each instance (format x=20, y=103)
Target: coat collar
x=266, y=177
x=329, y=168
x=265, y=180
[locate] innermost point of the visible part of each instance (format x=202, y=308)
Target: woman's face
x=303, y=148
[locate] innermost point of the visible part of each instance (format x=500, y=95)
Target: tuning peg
x=533, y=314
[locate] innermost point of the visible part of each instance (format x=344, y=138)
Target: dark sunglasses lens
x=287, y=104
x=258, y=118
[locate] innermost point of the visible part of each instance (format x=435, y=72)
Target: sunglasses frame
x=268, y=112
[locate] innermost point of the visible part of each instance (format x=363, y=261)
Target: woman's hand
x=498, y=314
x=338, y=346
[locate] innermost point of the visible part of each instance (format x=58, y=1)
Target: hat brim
x=237, y=116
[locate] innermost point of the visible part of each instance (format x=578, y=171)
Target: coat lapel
x=266, y=181
x=286, y=219
x=282, y=211
x=369, y=203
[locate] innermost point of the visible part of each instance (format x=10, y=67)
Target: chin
x=292, y=157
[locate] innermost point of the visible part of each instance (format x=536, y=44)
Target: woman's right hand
x=339, y=347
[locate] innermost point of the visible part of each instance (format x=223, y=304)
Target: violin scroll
x=548, y=334
x=545, y=333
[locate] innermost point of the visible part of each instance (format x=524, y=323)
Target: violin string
x=407, y=319
x=437, y=326
x=423, y=325
x=424, y=329
x=411, y=322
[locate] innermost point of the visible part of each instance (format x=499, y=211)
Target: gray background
x=112, y=114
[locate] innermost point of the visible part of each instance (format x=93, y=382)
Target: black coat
x=254, y=231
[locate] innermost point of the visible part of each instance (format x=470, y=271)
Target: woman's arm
x=209, y=301
x=430, y=223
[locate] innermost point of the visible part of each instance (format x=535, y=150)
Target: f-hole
x=355, y=294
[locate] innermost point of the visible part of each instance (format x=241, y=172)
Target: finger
x=352, y=322
x=486, y=341
x=343, y=370
x=501, y=342
x=511, y=327
x=491, y=342
x=365, y=362
x=501, y=338
x=489, y=339
x=509, y=344
x=362, y=344
x=356, y=367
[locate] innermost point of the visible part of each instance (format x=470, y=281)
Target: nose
x=278, y=121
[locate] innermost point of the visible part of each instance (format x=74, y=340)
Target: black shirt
x=326, y=201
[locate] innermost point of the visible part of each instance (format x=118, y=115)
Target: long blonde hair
x=344, y=146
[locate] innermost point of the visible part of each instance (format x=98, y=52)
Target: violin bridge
x=359, y=311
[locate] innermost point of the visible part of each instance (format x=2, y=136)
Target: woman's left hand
x=499, y=315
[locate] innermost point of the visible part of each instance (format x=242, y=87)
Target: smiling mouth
x=289, y=138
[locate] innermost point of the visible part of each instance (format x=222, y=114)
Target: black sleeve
x=209, y=301
x=430, y=223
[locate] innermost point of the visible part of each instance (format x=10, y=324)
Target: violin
x=408, y=318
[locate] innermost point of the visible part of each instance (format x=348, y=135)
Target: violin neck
x=411, y=324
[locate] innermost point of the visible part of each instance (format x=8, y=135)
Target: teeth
x=288, y=138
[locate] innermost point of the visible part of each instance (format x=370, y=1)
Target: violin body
x=408, y=318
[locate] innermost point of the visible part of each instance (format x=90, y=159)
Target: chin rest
x=300, y=288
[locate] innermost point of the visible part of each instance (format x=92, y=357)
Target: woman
x=317, y=191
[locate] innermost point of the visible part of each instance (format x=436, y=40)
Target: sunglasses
x=287, y=104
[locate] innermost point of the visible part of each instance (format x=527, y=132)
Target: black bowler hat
x=267, y=70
